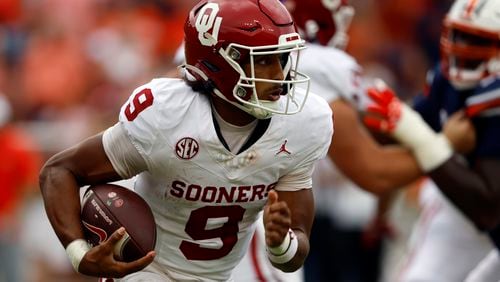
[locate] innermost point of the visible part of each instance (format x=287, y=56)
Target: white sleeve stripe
x=124, y=157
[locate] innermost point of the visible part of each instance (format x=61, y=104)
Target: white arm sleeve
x=298, y=179
x=431, y=149
x=123, y=155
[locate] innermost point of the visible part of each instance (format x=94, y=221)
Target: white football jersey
x=336, y=75
x=205, y=198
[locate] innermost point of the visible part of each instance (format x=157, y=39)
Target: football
x=107, y=207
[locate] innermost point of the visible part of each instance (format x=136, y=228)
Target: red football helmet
x=470, y=42
x=323, y=21
x=220, y=35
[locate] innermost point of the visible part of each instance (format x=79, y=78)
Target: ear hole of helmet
x=210, y=66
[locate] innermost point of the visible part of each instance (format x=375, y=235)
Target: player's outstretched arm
x=376, y=168
x=60, y=180
x=475, y=190
x=288, y=218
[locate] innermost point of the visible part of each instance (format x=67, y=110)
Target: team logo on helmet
x=208, y=20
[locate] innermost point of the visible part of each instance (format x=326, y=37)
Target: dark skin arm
x=286, y=210
x=60, y=182
x=475, y=191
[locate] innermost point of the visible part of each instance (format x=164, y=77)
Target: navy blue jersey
x=482, y=104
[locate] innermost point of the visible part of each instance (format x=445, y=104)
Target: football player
x=336, y=76
x=466, y=82
x=255, y=264
x=233, y=138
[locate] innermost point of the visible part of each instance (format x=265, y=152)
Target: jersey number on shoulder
x=139, y=103
x=228, y=232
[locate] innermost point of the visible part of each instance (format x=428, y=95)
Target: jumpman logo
x=283, y=149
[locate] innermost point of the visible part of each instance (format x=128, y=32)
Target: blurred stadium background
x=66, y=67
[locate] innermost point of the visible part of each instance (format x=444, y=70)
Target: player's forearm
x=62, y=201
x=60, y=181
x=383, y=170
x=476, y=194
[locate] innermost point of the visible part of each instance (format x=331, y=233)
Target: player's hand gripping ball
x=107, y=207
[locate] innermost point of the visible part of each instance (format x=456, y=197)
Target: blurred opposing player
x=355, y=160
x=467, y=80
x=233, y=138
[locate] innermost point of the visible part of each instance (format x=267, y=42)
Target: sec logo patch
x=187, y=148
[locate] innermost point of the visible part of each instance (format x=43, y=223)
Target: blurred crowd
x=76, y=61
x=66, y=67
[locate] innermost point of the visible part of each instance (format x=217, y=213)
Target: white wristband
x=286, y=250
x=76, y=250
x=430, y=148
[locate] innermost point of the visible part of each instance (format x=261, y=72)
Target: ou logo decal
x=187, y=148
x=206, y=21
x=331, y=4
